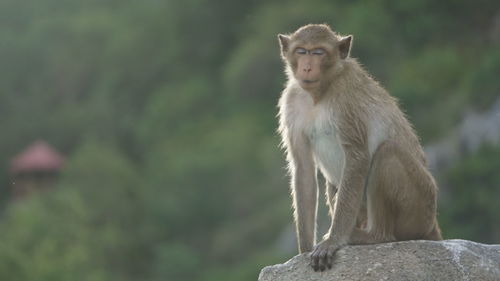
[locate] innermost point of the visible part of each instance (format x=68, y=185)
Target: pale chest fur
x=317, y=123
x=326, y=146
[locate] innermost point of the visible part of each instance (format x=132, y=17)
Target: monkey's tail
x=435, y=233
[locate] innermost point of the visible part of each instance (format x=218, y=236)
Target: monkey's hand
x=322, y=255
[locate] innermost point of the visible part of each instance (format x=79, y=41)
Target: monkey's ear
x=345, y=46
x=284, y=43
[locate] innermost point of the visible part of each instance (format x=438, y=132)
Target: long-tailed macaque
x=336, y=119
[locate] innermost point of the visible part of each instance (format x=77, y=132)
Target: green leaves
x=50, y=238
x=470, y=210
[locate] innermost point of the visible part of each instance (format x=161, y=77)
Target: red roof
x=38, y=157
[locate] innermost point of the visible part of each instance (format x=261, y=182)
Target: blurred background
x=139, y=137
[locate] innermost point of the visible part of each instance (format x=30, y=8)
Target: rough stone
x=449, y=260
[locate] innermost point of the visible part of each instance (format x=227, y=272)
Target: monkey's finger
x=324, y=260
x=314, y=261
x=329, y=261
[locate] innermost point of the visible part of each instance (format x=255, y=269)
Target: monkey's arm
x=304, y=191
x=349, y=197
x=350, y=191
x=353, y=137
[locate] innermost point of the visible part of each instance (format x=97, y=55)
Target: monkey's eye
x=300, y=51
x=318, y=52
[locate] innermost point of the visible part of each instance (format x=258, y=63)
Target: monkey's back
x=375, y=109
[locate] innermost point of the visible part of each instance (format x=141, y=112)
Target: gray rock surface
x=449, y=260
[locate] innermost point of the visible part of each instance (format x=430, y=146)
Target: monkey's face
x=309, y=64
x=313, y=55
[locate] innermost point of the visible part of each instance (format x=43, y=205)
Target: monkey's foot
x=322, y=255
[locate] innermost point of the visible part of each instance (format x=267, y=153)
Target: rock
x=449, y=260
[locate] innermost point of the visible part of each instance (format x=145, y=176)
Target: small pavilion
x=36, y=168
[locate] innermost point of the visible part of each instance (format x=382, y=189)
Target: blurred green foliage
x=166, y=111
x=472, y=205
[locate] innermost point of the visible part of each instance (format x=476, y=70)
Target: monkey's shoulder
x=295, y=104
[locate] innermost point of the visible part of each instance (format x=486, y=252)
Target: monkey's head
x=314, y=54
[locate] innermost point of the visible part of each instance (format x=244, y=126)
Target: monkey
x=335, y=119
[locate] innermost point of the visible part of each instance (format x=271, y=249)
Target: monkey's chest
x=328, y=153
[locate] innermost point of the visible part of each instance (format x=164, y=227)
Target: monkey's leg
x=380, y=217
x=331, y=192
x=415, y=201
x=400, y=199
x=362, y=219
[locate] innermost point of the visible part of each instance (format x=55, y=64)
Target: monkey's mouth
x=309, y=82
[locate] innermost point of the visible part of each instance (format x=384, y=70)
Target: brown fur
x=349, y=128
